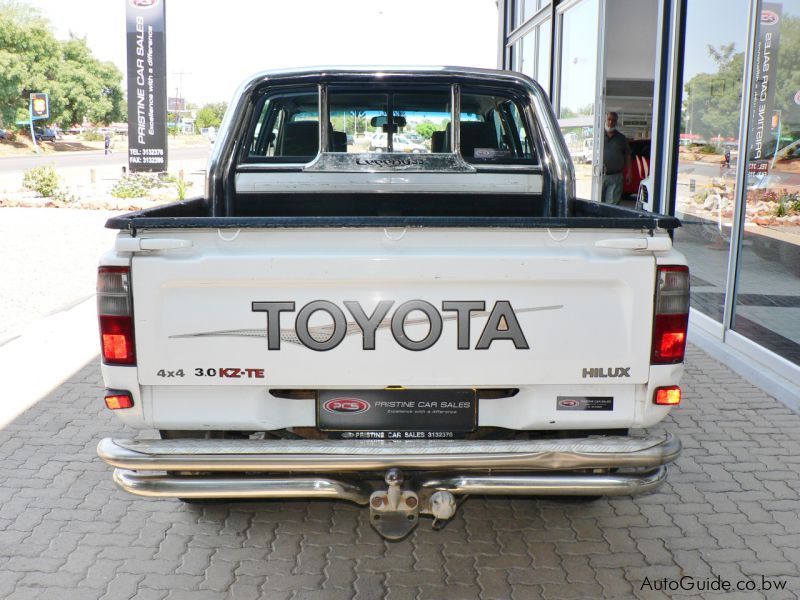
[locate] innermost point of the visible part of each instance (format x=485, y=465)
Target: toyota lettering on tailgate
x=501, y=324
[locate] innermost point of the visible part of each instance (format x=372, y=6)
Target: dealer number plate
x=423, y=413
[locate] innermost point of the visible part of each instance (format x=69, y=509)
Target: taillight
x=667, y=396
x=116, y=400
x=116, y=315
x=671, y=318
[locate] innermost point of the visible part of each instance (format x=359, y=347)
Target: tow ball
x=394, y=512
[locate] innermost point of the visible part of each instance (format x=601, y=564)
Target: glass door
x=767, y=290
x=577, y=93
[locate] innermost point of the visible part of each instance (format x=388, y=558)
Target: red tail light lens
x=671, y=318
x=116, y=316
x=117, y=400
x=667, y=396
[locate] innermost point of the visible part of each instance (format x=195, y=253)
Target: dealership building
x=708, y=94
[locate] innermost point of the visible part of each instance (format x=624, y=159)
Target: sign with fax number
x=147, y=86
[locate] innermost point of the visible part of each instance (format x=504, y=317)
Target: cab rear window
x=492, y=127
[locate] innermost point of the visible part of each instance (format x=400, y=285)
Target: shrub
x=135, y=185
x=93, y=135
x=708, y=149
x=42, y=180
x=792, y=201
x=181, y=187
x=65, y=197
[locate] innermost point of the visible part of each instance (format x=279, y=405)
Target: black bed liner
x=584, y=214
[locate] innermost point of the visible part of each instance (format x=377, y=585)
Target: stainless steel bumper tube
x=544, y=484
x=327, y=456
x=183, y=486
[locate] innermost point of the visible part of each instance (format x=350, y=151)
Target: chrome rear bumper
x=436, y=472
x=521, y=484
x=337, y=456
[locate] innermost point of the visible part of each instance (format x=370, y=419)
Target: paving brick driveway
x=729, y=509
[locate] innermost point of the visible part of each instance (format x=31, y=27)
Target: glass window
x=361, y=123
x=705, y=196
x=543, y=56
x=529, y=8
x=493, y=131
x=578, y=73
x=767, y=307
x=355, y=119
x=578, y=61
x=527, y=55
x=286, y=127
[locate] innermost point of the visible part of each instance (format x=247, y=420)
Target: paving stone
x=729, y=509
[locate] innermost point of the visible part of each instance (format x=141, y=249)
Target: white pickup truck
x=394, y=329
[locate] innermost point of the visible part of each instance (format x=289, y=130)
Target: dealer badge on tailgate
x=397, y=414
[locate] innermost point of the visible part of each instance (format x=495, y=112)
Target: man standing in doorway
x=616, y=160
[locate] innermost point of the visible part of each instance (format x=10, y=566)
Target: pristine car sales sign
x=147, y=85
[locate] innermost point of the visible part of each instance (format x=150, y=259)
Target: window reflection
x=767, y=308
x=578, y=68
x=705, y=193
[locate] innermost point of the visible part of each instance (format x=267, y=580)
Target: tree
x=426, y=128
x=210, y=115
x=712, y=101
x=32, y=60
x=356, y=121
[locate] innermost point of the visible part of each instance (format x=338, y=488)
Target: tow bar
x=394, y=512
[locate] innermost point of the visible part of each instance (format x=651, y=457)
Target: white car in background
x=400, y=143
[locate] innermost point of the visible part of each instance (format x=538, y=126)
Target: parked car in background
x=400, y=143
x=46, y=134
x=3, y=134
x=639, y=168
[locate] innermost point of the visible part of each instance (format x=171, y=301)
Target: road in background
x=93, y=158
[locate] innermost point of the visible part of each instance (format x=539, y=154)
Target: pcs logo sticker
x=346, y=406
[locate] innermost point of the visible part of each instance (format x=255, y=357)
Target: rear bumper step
x=533, y=484
x=327, y=456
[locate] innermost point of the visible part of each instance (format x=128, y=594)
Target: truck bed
x=381, y=210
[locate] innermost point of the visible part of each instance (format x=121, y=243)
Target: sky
x=216, y=45
x=713, y=22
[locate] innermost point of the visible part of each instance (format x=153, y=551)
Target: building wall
x=630, y=39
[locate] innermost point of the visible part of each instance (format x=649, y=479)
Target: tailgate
x=360, y=308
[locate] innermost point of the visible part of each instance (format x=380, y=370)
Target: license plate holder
x=444, y=411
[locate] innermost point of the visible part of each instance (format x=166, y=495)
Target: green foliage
x=181, y=186
x=65, y=197
x=791, y=200
x=42, y=180
x=174, y=130
x=701, y=195
x=711, y=103
x=708, y=149
x=210, y=115
x=136, y=185
x=33, y=60
x=780, y=210
x=356, y=122
x=93, y=135
x=426, y=129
